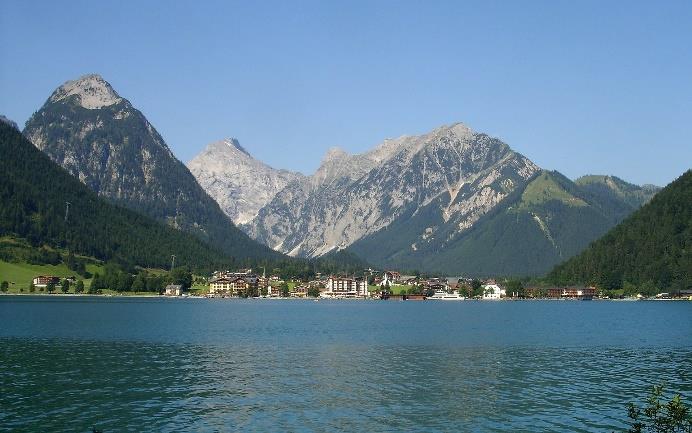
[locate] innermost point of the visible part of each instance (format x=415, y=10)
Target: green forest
x=649, y=252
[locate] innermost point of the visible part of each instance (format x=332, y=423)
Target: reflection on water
x=283, y=370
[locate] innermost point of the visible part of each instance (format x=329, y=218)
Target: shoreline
x=154, y=296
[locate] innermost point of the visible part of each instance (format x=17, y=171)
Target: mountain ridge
x=519, y=237
x=110, y=146
x=239, y=183
x=365, y=192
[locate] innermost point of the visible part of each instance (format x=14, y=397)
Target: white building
x=173, y=290
x=338, y=287
x=493, y=291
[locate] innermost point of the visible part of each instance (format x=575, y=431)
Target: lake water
x=171, y=365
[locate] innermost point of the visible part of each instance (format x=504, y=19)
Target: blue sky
x=579, y=87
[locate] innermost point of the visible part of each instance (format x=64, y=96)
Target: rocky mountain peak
x=459, y=129
x=91, y=90
x=233, y=143
x=333, y=154
x=110, y=146
x=450, y=175
x=239, y=183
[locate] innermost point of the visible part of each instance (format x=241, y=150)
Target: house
x=173, y=290
x=343, y=287
x=493, y=291
x=274, y=291
x=44, y=280
x=299, y=292
x=581, y=293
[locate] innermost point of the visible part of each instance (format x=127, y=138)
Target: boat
x=442, y=295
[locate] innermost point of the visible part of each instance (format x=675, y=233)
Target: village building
x=343, y=287
x=437, y=285
x=300, y=291
x=493, y=291
x=274, y=291
x=233, y=283
x=581, y=293
x=173, y=290
x=44, y=280
x=410, y=280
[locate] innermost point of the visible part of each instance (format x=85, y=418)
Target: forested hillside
x=34, y=193
x=651, y=250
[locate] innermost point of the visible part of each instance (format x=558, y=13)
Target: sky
x=587, y=87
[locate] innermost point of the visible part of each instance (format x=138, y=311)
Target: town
x=387, y=285
x=384, y=285
x=371, y=284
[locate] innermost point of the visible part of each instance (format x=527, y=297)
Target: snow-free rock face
x=101, y=139
x=91, y=92
x=451, y=173
x=239, y=183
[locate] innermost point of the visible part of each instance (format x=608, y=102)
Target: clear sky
x=602, y=87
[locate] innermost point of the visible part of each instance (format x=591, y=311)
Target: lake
x=170, y=365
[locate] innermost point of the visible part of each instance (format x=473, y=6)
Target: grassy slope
x=547, y=187
x=19, y=275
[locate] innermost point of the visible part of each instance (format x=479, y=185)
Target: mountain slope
x=9, y=122
x=652, y=248
x=537, y=226
x=34, y=192
x=446, y=179
x=239, y=183
x=101, y=139
x=614, y=187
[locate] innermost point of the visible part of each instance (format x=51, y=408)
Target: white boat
x=441, y=295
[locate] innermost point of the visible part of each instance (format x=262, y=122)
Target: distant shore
x=151, y=295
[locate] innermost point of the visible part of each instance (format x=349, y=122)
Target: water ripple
x=306, y=371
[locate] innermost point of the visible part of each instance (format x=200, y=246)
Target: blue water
x=170, y=365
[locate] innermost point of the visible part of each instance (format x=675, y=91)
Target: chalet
x=44, y=280
x=173, y=290
x=435, y=284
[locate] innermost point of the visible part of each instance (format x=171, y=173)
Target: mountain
x=434, y=186
x=651, y=249
x=239, y=183
x=538, y=225
x=101, y=139
x=9, y=122
x=34, y=193
x=452, y=201
x=614, y=187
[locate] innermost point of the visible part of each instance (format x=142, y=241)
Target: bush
x=658, y=417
